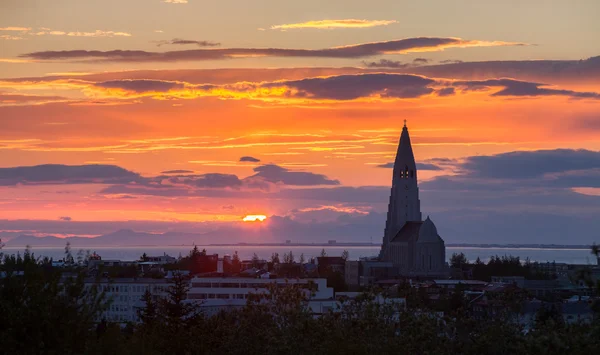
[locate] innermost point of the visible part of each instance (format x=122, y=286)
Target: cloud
x=278, y=175
x=349, y=87
x=211, y=181
x=530, y=164
x=19, y=29
x=65, y=218
x=178, y=172
x=420, y=166
x=386, y=63
x=513, y=87
x=395, y=64
x=366, y=86
x=450, y=61
x=11, y=38
x=187, y=41
x=264, y=177
x=97, y=33
x=333, y=24
x=554, y=71
x=249, y=159
x=175, y=1
x=407, y=45
x=66, y=174
x=446, y=92
x=141, y=86
x=7, y=99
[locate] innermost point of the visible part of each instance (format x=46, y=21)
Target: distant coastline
x=41, y=244
x=457, y=245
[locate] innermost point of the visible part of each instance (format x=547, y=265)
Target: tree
x=68, y=255
x=288, y=258
x=148, y=315
x=275, y=258
x=43, y=311
x=345, y=254
x=255, y=260
x=302, y=259
x=80, y=257
x=458, y=260
x=323, y=253
x=144, y=257
x=236, y=264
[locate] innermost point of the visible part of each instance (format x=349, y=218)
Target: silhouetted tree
x=345, y=254
x=275, y=258
x=458, y=260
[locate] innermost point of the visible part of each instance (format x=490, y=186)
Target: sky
x=188, y=116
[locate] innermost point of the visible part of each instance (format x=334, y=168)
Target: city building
x=409, y=243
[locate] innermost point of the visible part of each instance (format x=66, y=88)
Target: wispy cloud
x=395, y=64
x=20, y=29
x=97, y=33
x=11, y=38
x=187, y=41
x=333, y=24
x=175, y=1
x=401, y=46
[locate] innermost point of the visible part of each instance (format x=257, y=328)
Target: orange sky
x=334, y=117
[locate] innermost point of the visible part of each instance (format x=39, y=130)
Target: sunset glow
x=190, y=123
x=254, y=218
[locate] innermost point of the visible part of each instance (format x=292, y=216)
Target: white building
x=215, y=294
x=126, y=294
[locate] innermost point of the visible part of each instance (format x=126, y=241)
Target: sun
x=254, y=218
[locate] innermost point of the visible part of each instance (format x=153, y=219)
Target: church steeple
x=404, y=165
x=404, y=205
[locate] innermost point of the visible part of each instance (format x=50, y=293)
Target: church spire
x=405, y=159
x=404, y=203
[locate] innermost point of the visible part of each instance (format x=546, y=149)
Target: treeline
x=44, y=312
x=497, y=266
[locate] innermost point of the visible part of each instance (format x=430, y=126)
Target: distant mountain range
x=123, y=237
x=128, y=237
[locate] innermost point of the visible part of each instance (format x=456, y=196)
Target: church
x=412, y=245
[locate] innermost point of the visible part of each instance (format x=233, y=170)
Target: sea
x=570, y=256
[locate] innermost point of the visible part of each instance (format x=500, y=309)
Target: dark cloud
x=386, y=63
x=278, y=175
x=351, y=51
x=65, y=218
x=530, y=164
x=178, y=172
x=513, y=87
x=553, y=71
x=446, y=92
x=395, y=64
x=451, y=61
x=349, y=87
x=420, y=166
x=180, y=41
x=140, y=86
x=249, y=159
x=67, y=174
x=211, y=181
